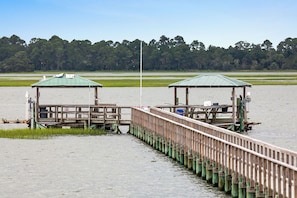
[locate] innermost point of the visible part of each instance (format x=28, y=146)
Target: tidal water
x=101, y=166
x=121, y=165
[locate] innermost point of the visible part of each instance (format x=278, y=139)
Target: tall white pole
x=140, y=78
x=27, y=111
x=89, y=116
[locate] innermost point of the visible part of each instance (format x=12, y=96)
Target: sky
x=220, y=23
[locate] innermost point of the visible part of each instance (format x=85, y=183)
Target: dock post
x=142, y=134
x=163, y=145
x=177, y=152
x=267, y=193
x=160, y=144
x=166, y=149
x=173, y=148
x=221, y=183
x=194, y=163
x=185, y=161
x=203, y=173
x=181, y=159
x=135, y=129
x=199, y=167
x=151, y=142
x=215, y=176
x=132, y=131
x=250, y=191
x=154, y=141
x=146, y=137
x=137, y=132
x=208, y=172
x=241, y=188
x=85, y=125
x=170, y=149
x=259, y=193
x=234, y=186
x=228, y=181
x=190, y=160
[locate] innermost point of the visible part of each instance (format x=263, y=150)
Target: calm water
x=105, y=166
x=120, y=165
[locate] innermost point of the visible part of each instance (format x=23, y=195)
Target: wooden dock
x=103, y=115
x=237, y=164
x=224, y=116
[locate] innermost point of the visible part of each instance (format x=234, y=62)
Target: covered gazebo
x=66, y=81
x=213, y=81
x=61, y=114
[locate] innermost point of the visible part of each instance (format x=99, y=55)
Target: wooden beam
x=187, y=96
x=96, y=95
x=175, y=96
x=233, y=105
x=37, y=104
x=244, y=106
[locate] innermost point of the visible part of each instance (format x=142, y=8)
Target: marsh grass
x=136, y=83
x=16, y=83
x=159, y=80
x=47, y=133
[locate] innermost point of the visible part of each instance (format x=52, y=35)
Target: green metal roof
x=66, y=80
x=210, y=80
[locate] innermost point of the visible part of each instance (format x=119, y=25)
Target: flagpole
x=140, y=78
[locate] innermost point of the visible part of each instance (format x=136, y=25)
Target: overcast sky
x=214, y=22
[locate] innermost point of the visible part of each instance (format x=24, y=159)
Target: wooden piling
x=194, y=163
x=228, y=183
x=208, y=172
x=199, y=167
x=221, y=183
x=241, y=188
x=215, y=176
x=234, y=186
x=203, y=173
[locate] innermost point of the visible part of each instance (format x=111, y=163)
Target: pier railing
x=95, y=114
x=251, y=164
x=277, y=153
x=208, y=114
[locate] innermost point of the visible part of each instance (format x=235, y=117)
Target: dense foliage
x=57, y=54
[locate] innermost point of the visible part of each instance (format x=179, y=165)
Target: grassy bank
x=157, y=79
x=46, y=133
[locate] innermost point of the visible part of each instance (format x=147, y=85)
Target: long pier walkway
x=236, y=164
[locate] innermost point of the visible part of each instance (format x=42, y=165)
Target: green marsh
x=47, y=133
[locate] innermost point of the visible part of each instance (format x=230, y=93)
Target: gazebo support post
x=244, y=106
x=175, y=96
x=187, y=101
x=187, y=96
x=233, y=106
x=96, y=95
x=175, y=99
x=37, y=105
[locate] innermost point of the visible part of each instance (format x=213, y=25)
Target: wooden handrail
x=231, y=154
x=264, y=148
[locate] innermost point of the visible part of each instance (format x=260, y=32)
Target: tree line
x=165, y=54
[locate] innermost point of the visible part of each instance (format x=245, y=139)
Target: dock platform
x=97, y=116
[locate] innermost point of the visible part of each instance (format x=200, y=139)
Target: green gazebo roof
x=210, y=80
x=66, y=80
